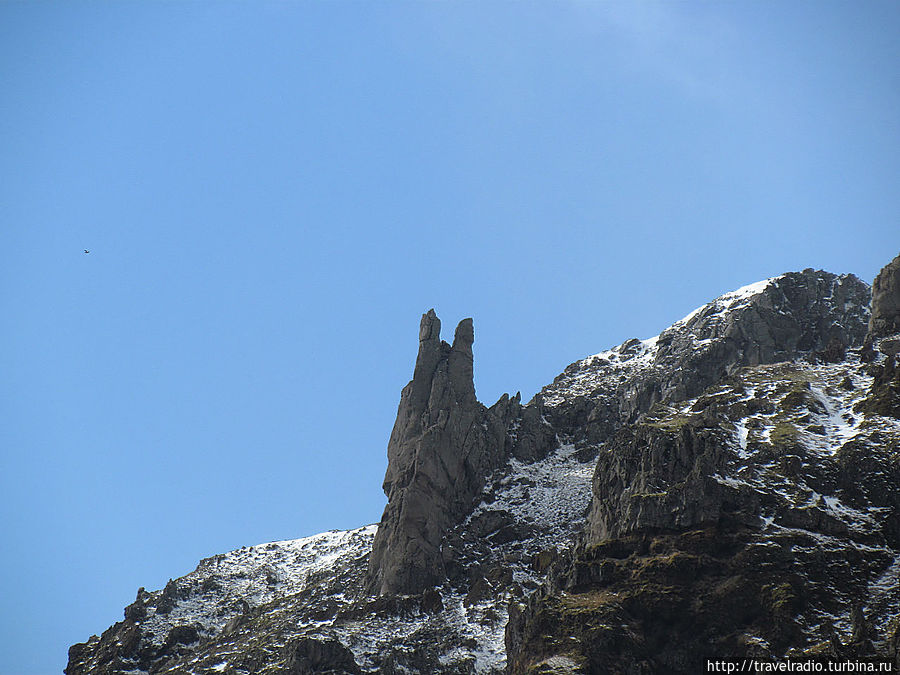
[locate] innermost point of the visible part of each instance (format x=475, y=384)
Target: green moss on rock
x=784, y=434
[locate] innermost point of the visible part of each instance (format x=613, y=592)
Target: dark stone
x=138, y=609
x=312, y=656
x=168, y=599
x=542, y=561
x=835, y=351
x=480, y=589
x=210, y=585
x=885, y=318
x=890, y=347
x=181, y=635
x=432, y=601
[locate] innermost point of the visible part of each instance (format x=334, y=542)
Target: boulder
x=310, y=656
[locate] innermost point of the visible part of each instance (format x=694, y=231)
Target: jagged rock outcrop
x=443, y=446
x=796, y=314
x=652, y=478
x=886, y=300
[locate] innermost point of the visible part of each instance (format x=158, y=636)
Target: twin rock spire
x=443, y=446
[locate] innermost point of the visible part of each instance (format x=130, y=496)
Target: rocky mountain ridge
x=747, y=455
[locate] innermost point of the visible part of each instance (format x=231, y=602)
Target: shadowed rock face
x=443, y=446
x=886, y=301
x=308, y=656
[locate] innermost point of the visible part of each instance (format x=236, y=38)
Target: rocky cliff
x=761, y=518
x=727, y=487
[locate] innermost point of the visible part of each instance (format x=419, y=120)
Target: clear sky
x=273, y=192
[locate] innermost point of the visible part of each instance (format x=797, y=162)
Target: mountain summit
x=729, y=487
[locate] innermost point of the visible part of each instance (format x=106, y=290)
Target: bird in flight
x=86, y=251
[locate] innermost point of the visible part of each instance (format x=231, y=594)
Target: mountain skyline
x=273, y=194
x=745, y=457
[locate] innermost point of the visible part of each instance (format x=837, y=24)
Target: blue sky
x=272, y=193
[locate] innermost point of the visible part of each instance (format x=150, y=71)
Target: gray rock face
x=650, y=478
x=310, y=656
x=886, y=300
x=443, y=446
